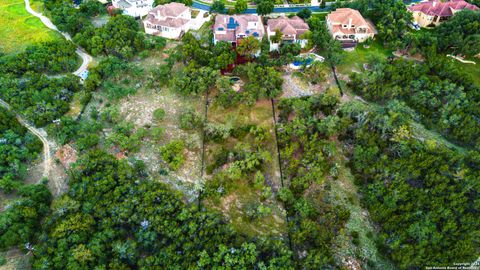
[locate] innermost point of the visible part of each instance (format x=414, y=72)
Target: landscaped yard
x=18, y=28
x=354, y=60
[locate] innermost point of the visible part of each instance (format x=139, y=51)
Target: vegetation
x=445, y=99
x=17, y=148
x=146, y=212
x=19, y=29
x=460, y=34
x=20, y=223
x=398, y=174
x=307, y=161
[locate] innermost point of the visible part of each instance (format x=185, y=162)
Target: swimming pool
x=306, y=62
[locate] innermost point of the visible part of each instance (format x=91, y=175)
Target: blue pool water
x=307, y=62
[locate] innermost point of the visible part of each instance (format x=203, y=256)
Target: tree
x=248, y=46
x=241, y=6
x=391, y=18
x=330, y=48
x=223, y=55
x=305, y=13
x=265, y=7
x=277, y=38
x=218, y=6
x=460, y=34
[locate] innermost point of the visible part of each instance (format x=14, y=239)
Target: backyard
x=353, y=60
x=19, y=29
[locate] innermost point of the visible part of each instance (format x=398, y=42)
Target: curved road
x=40, y=133
x=86, y=59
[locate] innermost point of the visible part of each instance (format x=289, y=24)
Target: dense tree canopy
x=17, y=148
x=114, y=218
x=307, y=162
x=50, y=57
x=39, y=98
x=460, y=34
x=20, y=221
x=423, y=195
x=445, y=99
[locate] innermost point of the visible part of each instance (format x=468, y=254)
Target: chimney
x=349, y=23
x=434, y=3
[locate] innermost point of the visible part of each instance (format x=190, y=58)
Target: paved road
x=206, y=7
x=295, y=9
x=86, y=59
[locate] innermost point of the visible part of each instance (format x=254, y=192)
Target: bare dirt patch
x=296, y=86
x=139, y=110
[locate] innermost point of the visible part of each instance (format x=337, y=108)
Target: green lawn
x=355, y=59
x=473, y=70
x=18, y=28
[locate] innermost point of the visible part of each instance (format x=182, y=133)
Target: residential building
x=291, y=29
x=434, y=12
x=169, y=21
x=348, y=25
x=134, y=8
x=233, y=28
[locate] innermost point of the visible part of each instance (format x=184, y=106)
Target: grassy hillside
x=19, y=29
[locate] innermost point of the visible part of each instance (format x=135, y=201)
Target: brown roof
x=166, y=15
x=292, y=26
x=444, y=9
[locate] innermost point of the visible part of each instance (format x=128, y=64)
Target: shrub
x=190, y=120
x=172, y=154
x=159, y=114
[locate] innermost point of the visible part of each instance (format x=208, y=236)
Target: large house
x=434, y=12
x=291, y=29
x=233, y=28
x=169, y=21
x=134, y=8
x=348, y=25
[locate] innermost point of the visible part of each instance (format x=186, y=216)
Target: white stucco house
x=348, y=25
x=292, y=30
x=134, y=8
x=173, y=20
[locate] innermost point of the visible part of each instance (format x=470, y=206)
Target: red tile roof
x=443, y=9
x=288, y=26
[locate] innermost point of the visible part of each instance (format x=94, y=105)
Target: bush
x=189, y=119
x=172, y=154
x=159, y=114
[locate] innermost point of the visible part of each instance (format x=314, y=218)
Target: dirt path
x=50, y=171
x=48, y=145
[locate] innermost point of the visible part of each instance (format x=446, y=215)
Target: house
x=434, y=12
x=233, y=28
x=134, y=8
x=169, y=21
x=348, y=26
x=291, y=29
